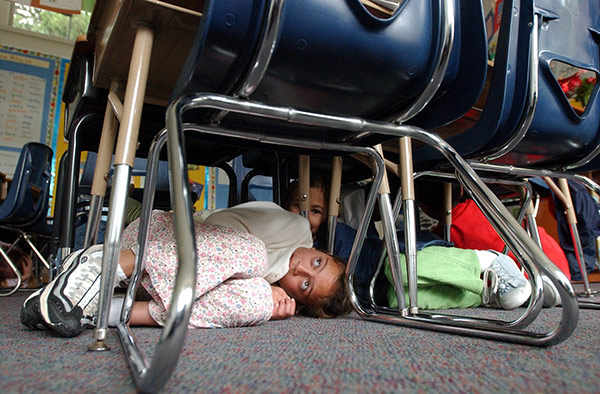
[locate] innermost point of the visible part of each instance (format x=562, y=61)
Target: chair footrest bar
x=504, y=335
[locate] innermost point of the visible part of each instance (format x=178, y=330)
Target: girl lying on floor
x=255, y=263
x=447, y=277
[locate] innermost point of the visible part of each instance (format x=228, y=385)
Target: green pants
x=446, y=278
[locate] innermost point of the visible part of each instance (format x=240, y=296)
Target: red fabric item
x=471, y=230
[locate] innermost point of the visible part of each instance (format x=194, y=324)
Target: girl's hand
x=283, y=305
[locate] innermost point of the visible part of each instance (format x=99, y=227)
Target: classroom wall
x=58, y=52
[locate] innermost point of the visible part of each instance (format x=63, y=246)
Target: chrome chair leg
x=564, y=194
x=447, y=210
x=151, y=376
x=411, y=216
x=334, y=201
x=304, y=184
x=391, y=241
x=15, y=270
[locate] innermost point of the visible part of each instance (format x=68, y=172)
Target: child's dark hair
x=337, y=305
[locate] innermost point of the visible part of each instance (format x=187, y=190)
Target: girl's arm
x=140, y=315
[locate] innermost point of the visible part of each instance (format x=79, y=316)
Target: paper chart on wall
x=21, y=97
x=28, y=83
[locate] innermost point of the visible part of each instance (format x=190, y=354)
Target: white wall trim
x=36, y=42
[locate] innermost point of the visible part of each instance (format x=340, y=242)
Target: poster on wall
x=28, y=95
x=62, y=6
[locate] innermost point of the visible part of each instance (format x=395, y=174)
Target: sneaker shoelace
x=87, y=273
x=490, y=285
x=504, y=277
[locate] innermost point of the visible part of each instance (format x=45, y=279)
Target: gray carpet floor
x=301, y=355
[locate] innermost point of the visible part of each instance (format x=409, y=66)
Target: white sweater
x=281, y=231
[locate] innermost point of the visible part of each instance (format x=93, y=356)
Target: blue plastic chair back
x=33, y=171
x=507, y=92
x=465, y=76
x=331, y=56
x=558, y=135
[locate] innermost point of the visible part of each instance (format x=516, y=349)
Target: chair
x=279, y=62
x=535, y=152
x=515, y=127
x=26, y=205
x=572, y=39
x=515, y=139
x=511, y=95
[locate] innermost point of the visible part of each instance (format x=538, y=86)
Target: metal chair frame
x=151, y=376
x=508, y=227
x=499, y=153
x=521, y=172
x=148, y=376
x=529, y=315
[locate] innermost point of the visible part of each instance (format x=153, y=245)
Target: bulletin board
x=28, y=96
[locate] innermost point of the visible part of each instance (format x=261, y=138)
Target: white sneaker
x=504, y=285
x=70, y=302
x=31, y=316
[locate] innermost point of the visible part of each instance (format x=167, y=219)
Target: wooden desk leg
x=124, y=159
x=390, y=237
x=411, y=216
x=100, y=181
x=304, y=184
x=334, y=201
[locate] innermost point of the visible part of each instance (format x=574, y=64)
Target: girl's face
x=312, y=276
x=317, y=213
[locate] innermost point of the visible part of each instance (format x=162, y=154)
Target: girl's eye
x=304, y=285
x=316, y=212
x=317, y=262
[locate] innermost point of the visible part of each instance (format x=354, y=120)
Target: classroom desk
x=141, y=46
x=113, y=27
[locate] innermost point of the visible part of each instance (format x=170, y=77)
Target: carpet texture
x=301, y=355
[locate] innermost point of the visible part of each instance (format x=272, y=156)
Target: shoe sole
x=66, y=324
x=30, y=312
x=31, y=315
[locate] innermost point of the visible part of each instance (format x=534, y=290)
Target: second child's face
x=317, y=213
